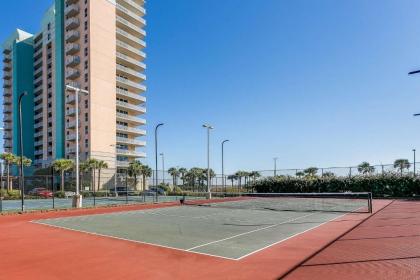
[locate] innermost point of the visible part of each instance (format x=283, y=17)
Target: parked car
x=123, y=191
x=42, y=192
x=159, y=190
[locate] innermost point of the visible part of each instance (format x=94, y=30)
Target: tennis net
x=360, y=202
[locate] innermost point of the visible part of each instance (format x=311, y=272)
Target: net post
x=370, y=202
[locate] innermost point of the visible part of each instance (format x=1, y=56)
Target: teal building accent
x=59, y=79
x=23, y=52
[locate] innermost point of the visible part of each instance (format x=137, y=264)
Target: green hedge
x=380, y=185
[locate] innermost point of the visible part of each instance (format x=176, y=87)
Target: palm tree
x=62, y=165
x=195, y=174
x=83, y=167
x=9, y=159
x=402, y=164
x=146, y=172
x=239, y=175
x=174, y=172
x=328, y=174
x=311, y=172
x=92, y=164
x=134, y=169
x=300, y=174
x=182, y=171
x=232, y=178
x=254, y=175
x=365, y=168
x=100, y=164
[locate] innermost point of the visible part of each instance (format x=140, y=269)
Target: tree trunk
x=8, y=177
x=144, y=182
x=62, y=181
x=99, y=178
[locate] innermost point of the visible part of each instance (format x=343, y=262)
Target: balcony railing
x=38, y=125
x=72, y=48
x=7, y=58
x=7, y=118
x=70, y=99
x=72, y=61
x=70, y=150
x=130, y=50
x=71, y=137
x=7, y=84
x=71, y=125
x=129, y=83
x=38, y=143
x=132, y=130
x=72, y=74
x=70, y=112
x=7, y=101
x=131, y=72
x=72, y=36
x=132, y=61
x=133, y=39
x=128, y=94
x=129, y=141
x=123, y=163
x=133, y=119
x=72, y=23
x=130, y=14
x=130, y=153
x=7, y=66
x=129, y=106
x=72, y=10
x=131, y=26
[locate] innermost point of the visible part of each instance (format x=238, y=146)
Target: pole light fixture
x=156, y=158
x=208, y=127
x=223, y=167
x=22, y=180
x=77, y=199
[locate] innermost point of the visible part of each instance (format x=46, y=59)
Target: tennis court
x=231, y=228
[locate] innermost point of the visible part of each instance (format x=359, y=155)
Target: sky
x=315, y=83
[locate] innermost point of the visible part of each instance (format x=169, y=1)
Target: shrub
x=380, y=185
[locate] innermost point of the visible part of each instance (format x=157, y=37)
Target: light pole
x=208, y=127
x=223, y=167
x=77, y=199
x=22, y=181
x=275, y=166
x=414, y=162
x=116, y=171
x=156, y=158
x=1, y=181
x=163, y=167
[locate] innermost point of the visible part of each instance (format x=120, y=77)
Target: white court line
x=252, y=231
x=131, y=240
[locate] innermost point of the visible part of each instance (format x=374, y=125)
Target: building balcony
x=38, y=71
x=7, y=66
x=72, y=10
x=72, y=61
x=7, y=126
x=7, y=110
x=74, y=84
x=129, y=15
x=71, y=125
x=7, y=51
x=130, y=39
x=7, y=84
x=38, y=98
x=38, y=125
x=7, y=118
x=70, y=150
x=7, y=101
x=128, y=141
x=132, y=119
x=135, y=64
x=38, y=134
x=71, y=99
x=38, y=116
x=38, y=89
x=71, y=137
x=130, y=72
x=72, y=74
x=72, y=23
x=131, y=107
x=70, y=112
x=138, y=9
x=131, y=130
x=38, y=143
x=38, y=81
x=72, y=48
x=127, y=49
x=130, y=85
x=69, y=2
x=38, y=107
x=130, y=153
x=129, y=27
x=8, y=143
x=72, y=36
x=38, y=54
x=7, y=136
x=7, y=58
x=134, y=97
x=39, y=152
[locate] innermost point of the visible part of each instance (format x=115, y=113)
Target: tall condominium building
x=94, y=45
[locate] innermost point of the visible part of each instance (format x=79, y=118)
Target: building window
x=86, y=12
x=49, y=26
x=86, y=25
x=86, y=64
x=86, y=117
x=86, y=38
x=86, y=77
x=86, y=104
x=86, y=52
x=86, y=143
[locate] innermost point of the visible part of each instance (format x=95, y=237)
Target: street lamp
x=163, y=167
x=275, y=166
x=223, y=168
x=414, y=162
x=208, y=127
x=116, y=171
x=156, y=158
x=22, y=181
x=77, y=199
x=1, y=181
